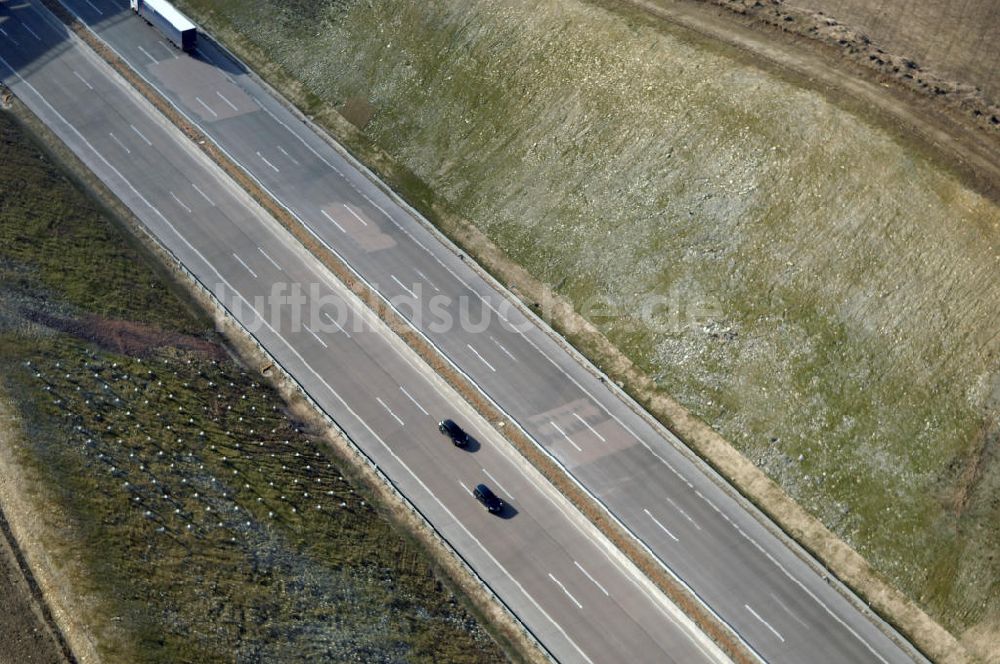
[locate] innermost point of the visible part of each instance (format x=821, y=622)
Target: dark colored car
x=488, y=498
x=455, y=432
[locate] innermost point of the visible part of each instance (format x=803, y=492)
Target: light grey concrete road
x=765, y=588
x=556, y=572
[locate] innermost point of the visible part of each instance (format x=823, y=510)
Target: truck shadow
x=209, y=52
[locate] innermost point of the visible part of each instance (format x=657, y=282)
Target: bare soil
x=128, y=337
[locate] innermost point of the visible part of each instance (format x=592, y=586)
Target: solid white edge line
x=625, y=426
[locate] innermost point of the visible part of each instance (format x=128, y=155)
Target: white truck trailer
x=174, y=25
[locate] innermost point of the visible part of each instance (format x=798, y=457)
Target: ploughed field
x=190, y=517
x=961, y=40
x=803, y=280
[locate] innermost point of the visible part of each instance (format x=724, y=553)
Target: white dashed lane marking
x=573, y=599
x=228, y=103
x=315, y=336
x=271, y=260
x=141, y=135
x=389, y=410
x=241, y=262
x=180, y=202
x=332, y=220
x=208, y=108
x=766, y=624
x=415, y=402
x=77, y=74
x=587, y=574
x=570, y=440
x=118, y=141
x=356, y=215
x=662, y=527
x=146, y=53
x=592, y=430
x=480, y=357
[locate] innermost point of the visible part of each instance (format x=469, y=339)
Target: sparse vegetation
x=205, y=524
x=853, y=352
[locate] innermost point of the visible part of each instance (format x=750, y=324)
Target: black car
x=488, y=498
x=455, y=432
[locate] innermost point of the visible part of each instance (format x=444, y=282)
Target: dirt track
x=25, y=636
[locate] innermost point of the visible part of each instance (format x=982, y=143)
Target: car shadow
x=471, y=445
x=508, y=512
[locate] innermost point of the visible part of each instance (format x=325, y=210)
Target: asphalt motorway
x=567, y=584
x=760, y=584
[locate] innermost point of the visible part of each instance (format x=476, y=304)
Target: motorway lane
x=762, y=585
x=560, y=576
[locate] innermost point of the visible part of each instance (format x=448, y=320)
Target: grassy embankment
x=853, y=352
x=196, y=520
